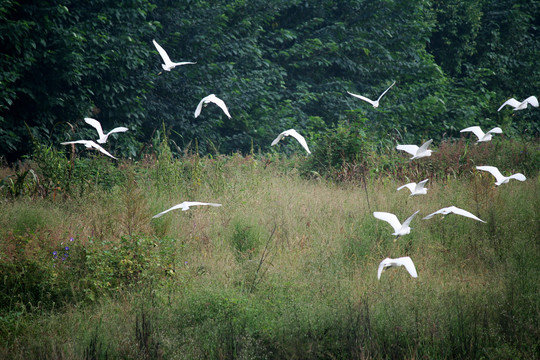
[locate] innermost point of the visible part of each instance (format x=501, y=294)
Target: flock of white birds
x=417, y=152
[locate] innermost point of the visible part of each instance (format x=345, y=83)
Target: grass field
x=285, y=269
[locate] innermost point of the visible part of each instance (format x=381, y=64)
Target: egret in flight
x=480, y=134
x=399, y=229
x=102, y=136
x=294, y=134
x=416, y=189
x=415, y=151
x=168, y=64
x=212, y=98
x=376, y=102
x=454, y=210
x=402, y=261
x=89, y=144
x=520, y=105
x=185, y=207
x=500, y=178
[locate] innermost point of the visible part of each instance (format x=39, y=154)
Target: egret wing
x=495, y=130
x=178, y=206
x=374, y=103
x=382, y=265
x=424, y=146
x=476, y=130
x=493, y=171
x=462, y=212
x=411, y=149
x=518, y=176
x=409, y=219
x=162, y=53
x=117, y=130
x=221, y=104
x=389, y=218
x=199, y=106
x=421, y=185
x=532, y=100
x=102, y=150
x=300, y=139
x=440, y=211
x=409, y=265
x=410, y=186
x=385, y=91
x=512, y=102
x=96, y=124
x=279, y=137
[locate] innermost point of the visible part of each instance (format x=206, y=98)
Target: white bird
x=452, y=209
x=480, y=134
x=500, y=178
x=399, y=229
x=167, y=60
x=374, y=103
x=294, y=134
x=402, y=261
x=212, y=98
x=89, y=144
x=415, y=151
x=520, y=105
x=185, y=206
x=103, y=137
x=416, y=189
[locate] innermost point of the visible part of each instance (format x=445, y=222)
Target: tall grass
x=286, y=268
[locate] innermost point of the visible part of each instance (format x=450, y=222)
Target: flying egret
x=402, y=261
x=376, y=102
x=452, y=209
x=399, y=229
x=212, y=98
x=103, y=137
x=501, y=179
x=480, y=134
x=185, y=207
x=416, y=189
x=520, y=105
x=167, y=60
x=415, y=151
x=294, y=134
x=89, y=144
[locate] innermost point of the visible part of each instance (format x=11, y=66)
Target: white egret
x=455, y=210
x=185, y=206
x=168, y=64
x=415, y=151
x=480, y=134
x=294, y=134
x=376, y=102
x=89, y=144
x=212, y=98
x=399, y=229
x=402, y=261
x=416, y=189
x=500, y=178
x=102, y=136
x=520, y=105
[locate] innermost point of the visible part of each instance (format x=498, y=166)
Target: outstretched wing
x=178, y=206
x=493, y=171
x=199, y=106
x=421, y=185
x=411, y=149
x=440, y=211
x=518, y=176
x=374, y=103
x=385, y=91
x=512, y=102
x=187, y=204
x=162, y=53
x=462, y=212
x=409, y=265
x=410, y=186
x=382, y=265
x=221, y=104
x=117, y=130
x=532, y=100
x=476, y=130
x=495, y=130
x=96, y=124
x=409, y=219
x=300, y=139
x=389, y=218
x=279, y=137
x=102, y=150
x=425, y=146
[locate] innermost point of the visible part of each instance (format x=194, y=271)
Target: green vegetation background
x=277, y=64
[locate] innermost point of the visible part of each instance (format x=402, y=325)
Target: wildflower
x=66, y=254
x=63, y=259
x=54, y=253
x=71, y=239
x=67, y=248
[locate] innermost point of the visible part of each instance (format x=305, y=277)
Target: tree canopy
x=277, y=64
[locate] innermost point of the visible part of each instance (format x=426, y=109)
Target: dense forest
x=277, y=64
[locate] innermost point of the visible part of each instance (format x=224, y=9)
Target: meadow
x=285, y=269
